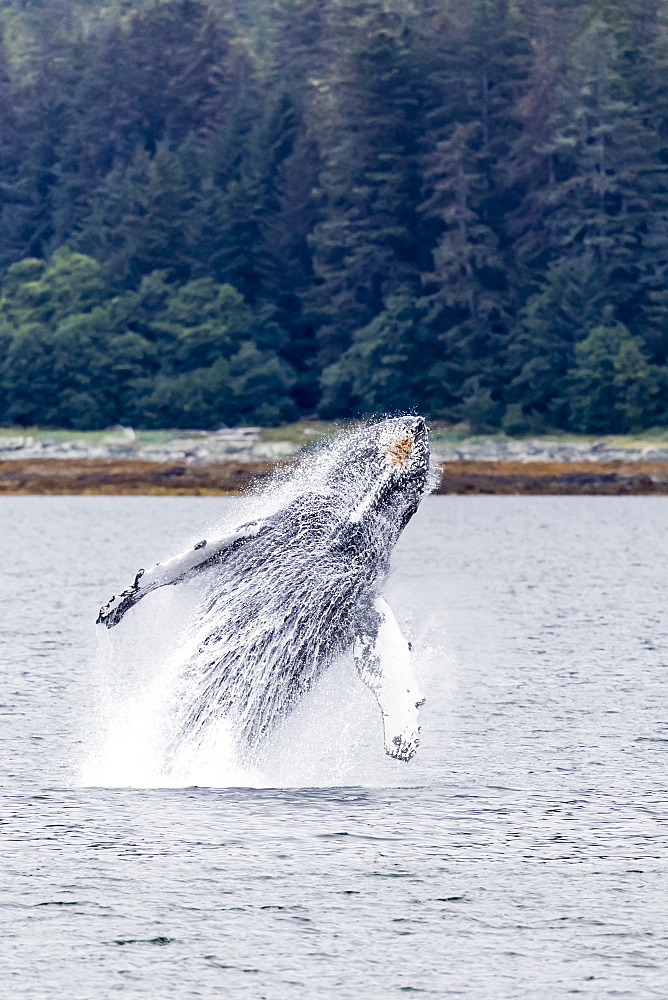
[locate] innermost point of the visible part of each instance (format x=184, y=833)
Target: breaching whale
x=290, y=592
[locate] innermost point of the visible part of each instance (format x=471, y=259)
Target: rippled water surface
x=521, y=854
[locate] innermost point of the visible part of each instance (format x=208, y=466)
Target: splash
x=198, y=698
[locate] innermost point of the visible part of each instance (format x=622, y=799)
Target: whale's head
x=384, y=469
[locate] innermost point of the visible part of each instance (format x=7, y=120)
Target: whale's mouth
x=398, y=453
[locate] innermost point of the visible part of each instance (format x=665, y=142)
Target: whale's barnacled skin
x=292, y=591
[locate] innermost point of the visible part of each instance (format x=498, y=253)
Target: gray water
x=521, y=854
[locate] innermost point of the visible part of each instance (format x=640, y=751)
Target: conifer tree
x=365, y=244
x=150, y=84
x=394, y=364
x=541, y=353
x=63, y=363
x=612, y=388
x=607, y=200
x=467, y=290
x=144, y=220
x=12, y=149
x=537, y=161
x=45, y=115
x=456, y=205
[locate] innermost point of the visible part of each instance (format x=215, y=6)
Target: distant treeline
x=245, y=211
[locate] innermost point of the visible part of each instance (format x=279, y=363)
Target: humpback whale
x=289, y=592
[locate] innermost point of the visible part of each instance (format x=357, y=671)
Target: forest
x=224, y=212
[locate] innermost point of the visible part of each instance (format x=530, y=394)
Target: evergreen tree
x=634, y=25
x=214, y=366
x=145, y=220
x=285, y=255
x=12, y=150
x=378, y=371
x=612, y=387
x=467, y=291
x=606, y=200
x=569, y=304
x=537, y=161
x=64, y=361
x=38, y=291
x=151, y=83
x=200, y=322
x=242, y=212
x=365, y=244
x=261, y=384
x=43, y=114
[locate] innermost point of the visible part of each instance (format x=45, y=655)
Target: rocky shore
x=635, y=478
x=110, y=477
x=549, y=450
x=125, y=478
x=230, y=461
x=247, y=444
x=192, y=447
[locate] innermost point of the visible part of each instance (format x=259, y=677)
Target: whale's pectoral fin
x=179, y=568
x=383, y=660
x=112, y=612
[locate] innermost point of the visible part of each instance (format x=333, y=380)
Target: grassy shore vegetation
x=229, y=211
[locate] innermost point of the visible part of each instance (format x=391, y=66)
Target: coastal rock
x=244, y=444
x=15, y=443
x=541, y=450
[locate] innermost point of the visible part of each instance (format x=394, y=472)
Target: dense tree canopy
x=216, y=211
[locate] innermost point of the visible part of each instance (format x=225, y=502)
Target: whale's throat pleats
x=279, y=611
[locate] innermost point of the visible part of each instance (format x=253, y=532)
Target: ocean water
x=523, y=853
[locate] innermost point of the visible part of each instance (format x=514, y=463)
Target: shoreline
x=131, y=477
x=108, y=477
x=616, y=478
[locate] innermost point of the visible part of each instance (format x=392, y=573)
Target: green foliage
x=202, y=321
x=71, y=355
x=244, y=213
x=381, y=370
x=612, y=385
x=37, y=291
x=542, y=351
x=61, y=374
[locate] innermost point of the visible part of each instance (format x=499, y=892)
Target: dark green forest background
x=247, y=211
